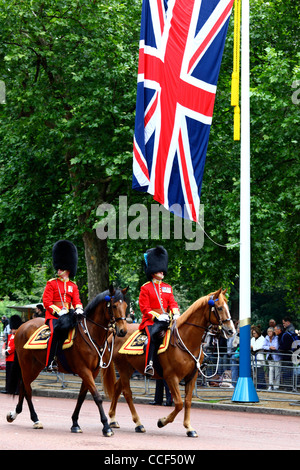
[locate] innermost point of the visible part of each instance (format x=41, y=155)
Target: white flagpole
x=245, y=390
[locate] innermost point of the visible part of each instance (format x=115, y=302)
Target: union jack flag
x=181, y=48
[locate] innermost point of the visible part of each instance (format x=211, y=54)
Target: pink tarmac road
x=217, y=430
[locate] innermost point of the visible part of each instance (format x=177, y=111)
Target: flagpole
x=245, y=390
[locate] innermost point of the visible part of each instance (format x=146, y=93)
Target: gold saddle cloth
x=39, y=339
x=135, y=343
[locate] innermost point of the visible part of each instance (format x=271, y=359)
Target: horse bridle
x=213, y=308
x=109, y=307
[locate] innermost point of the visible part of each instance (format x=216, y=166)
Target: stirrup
x=149, y=370
x=53, y=367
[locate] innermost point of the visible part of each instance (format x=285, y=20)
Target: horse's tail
x=15, y=376
x=109, y=379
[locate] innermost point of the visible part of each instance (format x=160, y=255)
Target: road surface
x=217, y=430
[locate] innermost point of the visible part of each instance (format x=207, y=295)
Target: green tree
x=66, y=146
x=70, y=73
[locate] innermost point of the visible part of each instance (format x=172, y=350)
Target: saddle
x=39, y=339
x=135, y=344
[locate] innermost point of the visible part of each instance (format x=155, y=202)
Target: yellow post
x=235, y=79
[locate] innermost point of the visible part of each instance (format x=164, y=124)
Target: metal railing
x=267, y=374
x=280, y=375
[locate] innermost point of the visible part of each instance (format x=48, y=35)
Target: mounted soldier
x=157, y=303
x=61, y=294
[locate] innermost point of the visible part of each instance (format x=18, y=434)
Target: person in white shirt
x=257, y=342
x=271, y=345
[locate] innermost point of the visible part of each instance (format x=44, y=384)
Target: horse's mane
x=200, y=303
x=118, y=295
x=191, y=309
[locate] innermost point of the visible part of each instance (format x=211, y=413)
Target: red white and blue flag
x=181, y=48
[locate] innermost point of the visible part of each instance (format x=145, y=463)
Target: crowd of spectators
x=272, y=355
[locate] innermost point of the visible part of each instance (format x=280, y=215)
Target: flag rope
x=228, y=245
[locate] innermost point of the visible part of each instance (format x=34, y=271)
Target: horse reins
x=112, y=321
x=99, y=349
x=197, y=359
x=111, y=315
x=211, y=304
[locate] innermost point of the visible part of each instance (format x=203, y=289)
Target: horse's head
x=116, y=309
x=219, y=313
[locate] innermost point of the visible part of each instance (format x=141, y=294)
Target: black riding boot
x=52, y=359
x=149, y=369
x=157, y=333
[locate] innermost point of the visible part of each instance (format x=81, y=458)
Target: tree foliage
x=69, y=69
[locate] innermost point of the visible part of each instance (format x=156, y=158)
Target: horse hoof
x=76, y=429
x=11, y=416
x=192, y=434
x=114, y=424
x=160, y=423
x=38, y=425
x=107, y=432
x=140, y=429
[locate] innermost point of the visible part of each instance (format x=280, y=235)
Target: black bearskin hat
x=65, y=256
x=156, y=260
x=14, y=322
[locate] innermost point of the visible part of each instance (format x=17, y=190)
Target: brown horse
x=180, y=361
x=83, y=358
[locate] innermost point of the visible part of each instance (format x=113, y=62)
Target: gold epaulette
x=145, y=283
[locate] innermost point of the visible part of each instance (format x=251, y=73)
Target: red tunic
x=149, y=303
x=10, y=348
x=60, y=293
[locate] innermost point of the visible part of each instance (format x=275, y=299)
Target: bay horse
x=181, y=361
x=84, y=358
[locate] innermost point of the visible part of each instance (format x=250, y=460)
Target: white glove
x=163, y=317
x=79, y=311
x=175, y=316
x=63, y=311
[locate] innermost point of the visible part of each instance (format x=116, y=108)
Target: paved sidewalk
x=67, y=386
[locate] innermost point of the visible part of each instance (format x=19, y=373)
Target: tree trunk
x=96, y=256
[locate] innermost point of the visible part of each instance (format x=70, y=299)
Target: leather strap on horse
x=180, y=344
x=113, y=320
x=196, y=359
x=99, y=349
